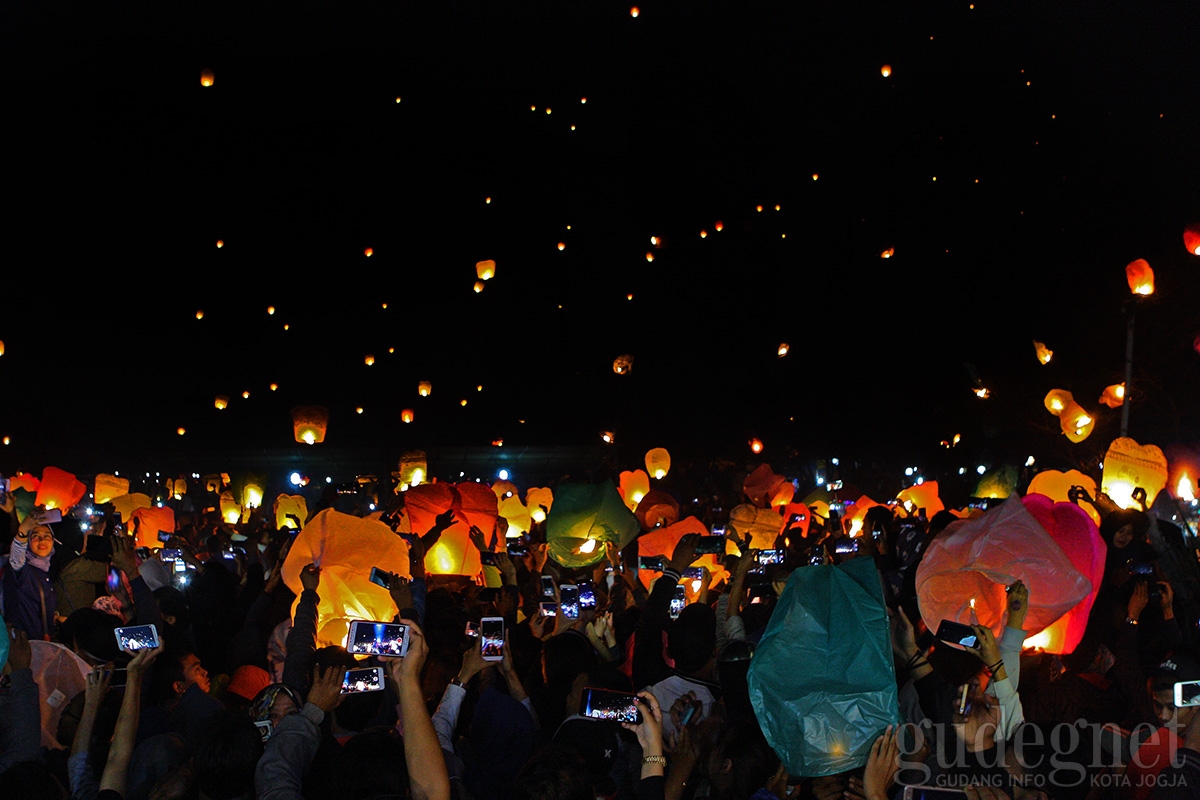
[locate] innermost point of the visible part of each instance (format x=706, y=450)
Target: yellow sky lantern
x=886, y=70
x=293, y=504
x=231, y=512
x=1140, y=277
x=1057, y=400
x=1129, y=466
x=207, y=78
x=413, y=468
x=406, y=415
x=274, y=386
x=633, y=486
x=703, y=234
x=424, y=388
x=199, y=313
x=535, y=498
x=649, y=257
x=270, y=310
x=1191, y=238
x=106, y=487
x=658, y=462
x=485, y=270
x=623, y=363
x=1114, y=395
x=1044, y=354
x=309, y=423
x=1057, y=486
x=246, y=395
x=478, y=287
x=221, y=402
x=1076, y=423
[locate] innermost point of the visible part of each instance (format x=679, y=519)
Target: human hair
x=91, y=630
x=556, y=772
x=226, y=759
x=370, y=764
x=751, y=757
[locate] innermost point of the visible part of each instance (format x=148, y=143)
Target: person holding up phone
x=29, y=594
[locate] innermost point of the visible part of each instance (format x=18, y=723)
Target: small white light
x=908, y=471
x=920, y=480
x=836, y=461
x=502, y=474
x=1029, y=461
x=294, y=479
x=962, y=470
x=981, y=469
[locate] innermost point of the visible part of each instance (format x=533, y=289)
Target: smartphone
x=956, y=633
x=651, y=563
x=487, y=559
x=264, y=729
x=491, y=638
x=587, y=595
x=170, y=554
x=381, y=577
x=164, y=537
x=932, y=793
x=765, y=557
x=547, y=586
x=136, y=637
x=608, y=704
x=517, y=548
x=113, y=581
x=549, y=609
x=1141, y=568
x=694, y=573
x=51, y=515
x=1187, y=693
x=4, y=485
x=229, y=554
x=366, y=679
x=711, y=545
x=845, y=546
x=143, y=553
x=678, y=601
x=719, y=530
x=120, y=677
x=568, y=599
x=372, y=638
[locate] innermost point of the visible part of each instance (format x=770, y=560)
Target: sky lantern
x=1191, y=238
x=485, y=270
x=453, y=553
x=270, y=310
x=252, y=494
x=922, y=495
x=424, y=388
x=763, y=484
x=221, y=402
x=997, y=483
x=293, y=504
x=1057, y=400
x=1113, y=396
x=585, y=517
x=1185, y=487
x=633, y=12
x=504, y=488
x=220, y=243
x=1140, y=277
x=756, y=445
x=231, y=512
x=369, y=360
x=106, y=487
x=657, y=509
x=888, y=253
x=346, y=547
x=886, y=70
x=1057, y=486
x=413, y=469
x=200, y=313
x=633, y=486
x=658, y=462
x=59, y=489
x=719, y=226
x=623, y=363
x=478, y=287
x=1129, y=466
x=206, y=77
x=148, y=521
x=539, y=500
x=406, y=415
x=309, y=423
x=783, y=349
x=368, y=252
x=127, y=504
x=1076, y=423
x=517, y=516
x=1044, y=354
x=562, y=245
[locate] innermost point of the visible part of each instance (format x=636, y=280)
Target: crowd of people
x=234, y=696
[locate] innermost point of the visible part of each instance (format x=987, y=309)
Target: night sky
x=1016, y=158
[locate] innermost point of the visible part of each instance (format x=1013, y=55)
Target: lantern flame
x=1185, y=490
x=783, y=349
x=206, y=77
x=1038, y=641
x=588, y=546
x=982, y=392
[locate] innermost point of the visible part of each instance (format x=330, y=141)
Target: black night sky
x=1016, y=158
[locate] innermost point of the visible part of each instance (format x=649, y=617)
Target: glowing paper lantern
x=1057, y=486
x=856, y=513
x=106, y=487
x=997, y=483
x=783, y=349
x=485, y=270
x=756, y=446
x=658, y=462
x=309, y=423
x=662, y=542
x=127, y=504
x=1057, y=401
x=622, y=364
x=231, y=510
x=974, y=560
x=177, y=488
x=1044, y=354
x=886, y=70
x=888, y=253
x=1113, y=396
x=206, y=77
x=293, y=504
x=504, y=488
x=633, y=486
x=1140, y=277
x=1076, y=424
x=221, y=402
x=413, y=468
x=1, y=347
x=1191, y=238
x=59, y=489
x=424, y=388
x=761, y=485
x=584, y=512
x=345, y=547
x=799, y=526
x=252, y=495
x=923, y=495
x=478, y=287
x=406, y=415
x=369, y=360
x=657, y=509
x=1128, y=466
x=516, y=514
x=148, y=521
x=539, y=501
x=762, y=525
x=783, y=495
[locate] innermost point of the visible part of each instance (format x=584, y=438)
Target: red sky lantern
x=1140, y=277
x=1191, y=238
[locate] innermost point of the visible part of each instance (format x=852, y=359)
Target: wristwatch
x=456, y=682
x=1130, y=621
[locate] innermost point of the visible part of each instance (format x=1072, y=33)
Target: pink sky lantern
x=59, y=489
x=968, y=567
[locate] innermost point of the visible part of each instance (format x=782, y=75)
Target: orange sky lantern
x=206, y=77
x=658, y=462
x=1191, y=238
x=633, y=486
x=888, y=253
x=149, y=521
x=246, y=395
x=200, y=313
x=1044, y=354
x=59, y=489
x=1114, y=395
x=368, y=252
x=623, y=363
x=756, y=446
x=535, y=498
x=886, y=70
x=485, y=270
x=221, y=402
x=293, y=504
x=406, y=415
x=309, y=423
x=220, y=243
x=1057, y=401
x=719, y=226
x=1076, y=423
x=369, y=360
x=783, y=349
x=1140, y=277
x=562, y=245
x=478, y=287
x=633, y=12
x=424, y=388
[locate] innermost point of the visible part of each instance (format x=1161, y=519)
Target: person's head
x=225, y=761
x=89, y=634
x=1123, y=527
x=172, y=604
x=692, y=639
x=245, y=683
x=275, y=702
x=180, y=671
x=41, y=541
x=741, y=762
x=556, y=772
x=1161, y=686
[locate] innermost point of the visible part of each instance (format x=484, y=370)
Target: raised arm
x=427, y=775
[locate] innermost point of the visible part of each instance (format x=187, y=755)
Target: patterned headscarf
x=260, y=706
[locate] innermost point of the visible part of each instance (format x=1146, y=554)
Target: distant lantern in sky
x=608, y=437
x=1113, y=396
x=783, y=349
x=274, y=386
x=756, y=446
x=982, y=393
x=816, y=175
x=424, y=388
x=221, y=402
x=309, y=423
x=658, y=462
x=888, y=253
x=207, y=77
x=270, y=309
x=1140, y=277
x=485, y=270
x=886, y=70
x=369, y=360
x=1191, y=238
x=246, y=395
x=649, y=256
x=398, y=98
x=562, y=245
x=478, y=287
x=1044, y=354
x=200, y=313
x=487, y=201
x=181, y=431
x=220, y=243
x=719, y=226
x=370, y=251
x=406, y=415
x=623, y=363
x=758, y=208
x=462, y=402
x=703, y=234
x=1, y=347
x=633, y=12
x=358, y=409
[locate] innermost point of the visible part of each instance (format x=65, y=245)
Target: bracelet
x=654, y=760
x=913, y=661
x=992, y=669
x=917, y=664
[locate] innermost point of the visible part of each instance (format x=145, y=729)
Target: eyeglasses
x=42, y=537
